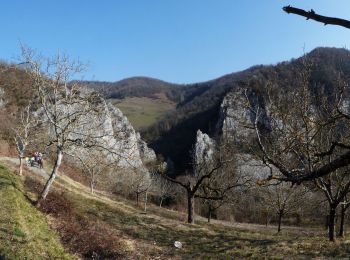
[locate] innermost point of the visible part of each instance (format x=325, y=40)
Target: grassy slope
x=24, y=231
x=152, y=235
x=144, y=111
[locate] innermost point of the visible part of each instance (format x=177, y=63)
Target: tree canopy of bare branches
x=299, y=131
x=22, y=134
x=209, y=179
x=64, y=105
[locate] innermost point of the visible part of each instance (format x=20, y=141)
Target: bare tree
x=94, y=162
x=139, y=183
x=222, y=187
x=335, y=188
x=163, y=188
x=64, y=105
x=296, y=139
x=307, y=139
x=22, y=134
x=344, y=207
x=316, y=17
x=283, y=199
x=205, y=167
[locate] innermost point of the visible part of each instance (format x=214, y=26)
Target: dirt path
x=35, y=170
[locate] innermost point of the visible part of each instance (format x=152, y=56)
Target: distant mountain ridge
x=137, y=87
x=198, y=105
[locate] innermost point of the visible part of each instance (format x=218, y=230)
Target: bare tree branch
x=316, y=17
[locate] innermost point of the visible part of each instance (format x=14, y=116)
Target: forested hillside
x=174, y=134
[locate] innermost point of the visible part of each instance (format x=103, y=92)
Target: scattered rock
x=178, y=244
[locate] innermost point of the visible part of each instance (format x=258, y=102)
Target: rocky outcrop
x=131, y=150
x=146, y=153
x=235, y=125
x=204, y=148
x=106, y=128
x=235, y=119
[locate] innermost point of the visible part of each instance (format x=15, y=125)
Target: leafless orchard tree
x=22, y=134
x=163, y=188
x=283, y=199
x=64, y=106
x=221, y=189
x=94, y=163
x=291, y=130
x=139, y=183
x=203, y=171
x=303, y=134
x=335, y=187
x=343, y=209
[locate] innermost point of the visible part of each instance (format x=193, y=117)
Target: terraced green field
x=143, y=112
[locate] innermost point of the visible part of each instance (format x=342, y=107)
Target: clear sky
x=180, y=41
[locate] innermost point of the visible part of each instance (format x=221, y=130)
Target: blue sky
x=180, y=41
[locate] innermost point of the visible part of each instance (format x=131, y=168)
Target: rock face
x=124, y=140
x=146, y=153
x=234, y=116
x=106, y=128
x=204, y=148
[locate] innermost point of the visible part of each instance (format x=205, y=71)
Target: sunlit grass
x=24, y=231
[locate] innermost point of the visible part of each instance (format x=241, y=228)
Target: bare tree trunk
x=331, y=223
x=20, y=170
x=190, y=207
x=146, y=201
x=161, y=202
x=280, y=215
x=137, y=199
x=52, y=177
x=92, y=183
x=209, y=213
x=92, y=187
x=266, y=219
x=342, y=220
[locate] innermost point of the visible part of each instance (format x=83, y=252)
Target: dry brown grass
x=151, y=236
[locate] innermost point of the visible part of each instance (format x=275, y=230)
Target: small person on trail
x=37, y=158
x=40, y=160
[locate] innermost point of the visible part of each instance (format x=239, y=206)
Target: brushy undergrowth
x=24, y=231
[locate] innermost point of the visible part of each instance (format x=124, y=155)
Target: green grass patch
x=24, y=231
x=142, y=112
